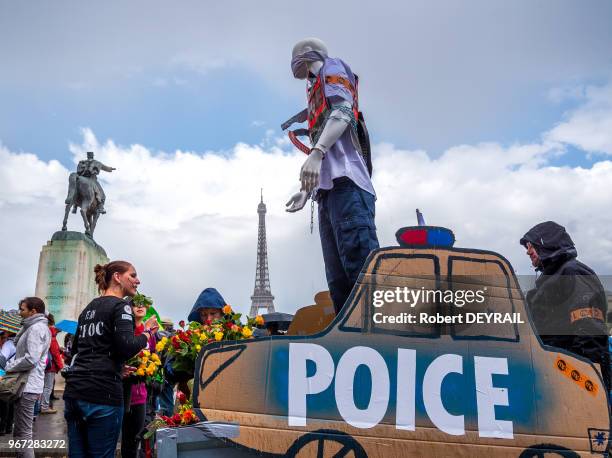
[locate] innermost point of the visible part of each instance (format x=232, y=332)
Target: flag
x=420, y=218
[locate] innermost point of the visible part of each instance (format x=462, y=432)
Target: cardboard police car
x=433, y=354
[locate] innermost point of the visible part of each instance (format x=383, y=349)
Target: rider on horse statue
x=89, y=169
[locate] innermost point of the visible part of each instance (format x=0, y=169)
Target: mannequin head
x=307, y=56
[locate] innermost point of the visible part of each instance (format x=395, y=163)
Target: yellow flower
x=247, y=332
x=146, y=352
x=140, y=372
x=160, y=346
x=154, y=357
x=227, y=309
x=259, y=320
x=145, y=360
x=198, y=347
x=218, y=336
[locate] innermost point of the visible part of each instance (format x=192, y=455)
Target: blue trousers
x=93, y=429
x=166, y=399
x=348, y=235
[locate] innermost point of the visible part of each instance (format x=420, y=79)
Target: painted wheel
x=327, y=442
x=548, y=450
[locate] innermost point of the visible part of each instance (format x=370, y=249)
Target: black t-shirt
x=104, y=341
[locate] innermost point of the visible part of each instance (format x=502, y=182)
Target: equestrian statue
x=86, y=193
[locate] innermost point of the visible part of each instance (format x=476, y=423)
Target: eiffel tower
x=262, y=296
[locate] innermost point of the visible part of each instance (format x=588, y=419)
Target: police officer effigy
x=337, y=172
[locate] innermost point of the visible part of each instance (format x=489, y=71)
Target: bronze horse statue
x=81, y=195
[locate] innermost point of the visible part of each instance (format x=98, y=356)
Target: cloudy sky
x=489, y=116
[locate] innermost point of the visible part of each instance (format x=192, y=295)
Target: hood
x=37, y=318
x=209, y=298
x=552, y=243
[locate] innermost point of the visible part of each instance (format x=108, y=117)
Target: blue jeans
x=93, y=429
x=348, y=235
x=166, y=399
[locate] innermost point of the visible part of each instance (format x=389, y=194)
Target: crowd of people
x=102, y=403
x=101, y=400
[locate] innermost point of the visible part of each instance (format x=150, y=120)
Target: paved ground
x=49, y=429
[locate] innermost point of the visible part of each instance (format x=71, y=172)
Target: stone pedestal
x=66, y=279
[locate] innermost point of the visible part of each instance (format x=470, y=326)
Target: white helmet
x=309, y=44
x=304, y=51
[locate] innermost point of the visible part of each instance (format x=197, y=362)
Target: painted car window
x=394, y=289
x=490, y=284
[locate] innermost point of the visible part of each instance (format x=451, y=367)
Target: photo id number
x=29, y=443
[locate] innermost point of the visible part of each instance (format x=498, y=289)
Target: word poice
x=487, y=396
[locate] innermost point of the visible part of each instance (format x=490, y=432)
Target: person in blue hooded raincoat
x=207, y=308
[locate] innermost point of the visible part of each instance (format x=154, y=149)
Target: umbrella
x=277, y=317
x=68, y=326
x=277, y=322
x=10, y=321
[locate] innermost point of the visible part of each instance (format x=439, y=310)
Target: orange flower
x=227, y=309
x=259, y=320
x=188, y=415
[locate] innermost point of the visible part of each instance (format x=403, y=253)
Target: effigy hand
x=309, y=174
x=297, y=201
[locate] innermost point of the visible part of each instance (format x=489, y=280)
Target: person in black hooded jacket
x=568, y=303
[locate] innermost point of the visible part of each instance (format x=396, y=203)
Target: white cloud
x=589, y=127
x=188, y=220
x=25, y=179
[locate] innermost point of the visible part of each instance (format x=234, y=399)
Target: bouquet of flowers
x=148, y=367
x=184, y=416
x=183, y=348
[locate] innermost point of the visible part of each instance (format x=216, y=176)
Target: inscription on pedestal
x=65, y=273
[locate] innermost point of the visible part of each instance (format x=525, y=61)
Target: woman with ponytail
x=104, y=341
